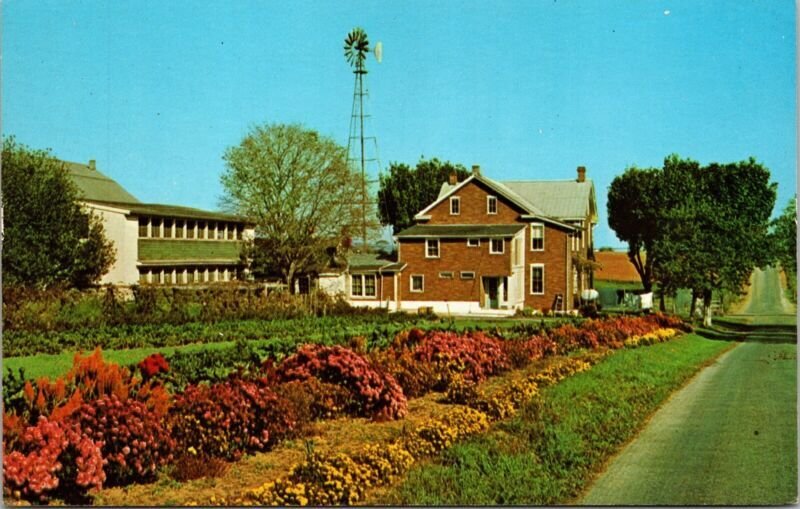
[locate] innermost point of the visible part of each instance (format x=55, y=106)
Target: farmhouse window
x=168, y=228
x=239, y=230
x=220, y=231
x=231, y=232
x=473, y=242
x=179, y=229
x=432, y=248
x=467, y=275
x=155, y=228
x=537, y=279
x=455, y=206
x=167, y=276
x=144, y=276
x=491, y=204
x=189, y=276
x=144, y=229
x=496, y=246
x=446, y=275
x=537, y=237
x=362, y=285
x=417, y=283
x=201, y=230
x=190, y=227
x=369, y=285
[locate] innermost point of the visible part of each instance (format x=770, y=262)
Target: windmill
x=356, y=49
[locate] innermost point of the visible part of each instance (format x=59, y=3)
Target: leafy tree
x=405, y=191
x=633, y=214
x=702, y=227
x=48, y=237
x=714, y=225
x=784, y=242
x=296, y=186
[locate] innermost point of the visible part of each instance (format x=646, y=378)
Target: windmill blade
x=378, y=51
x=356, y=47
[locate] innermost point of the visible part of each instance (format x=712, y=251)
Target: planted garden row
x=102, y=424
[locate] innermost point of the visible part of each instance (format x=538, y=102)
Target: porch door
x=490, y=288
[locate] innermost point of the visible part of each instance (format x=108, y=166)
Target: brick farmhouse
x=484, y=246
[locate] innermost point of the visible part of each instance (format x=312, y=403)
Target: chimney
x=581, y=173
x=92, y=164
x=476, y=169
x=453, y=179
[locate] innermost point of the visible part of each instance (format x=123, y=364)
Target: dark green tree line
x=404, y=191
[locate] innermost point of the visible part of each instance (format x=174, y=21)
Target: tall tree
x=48, y=237
x=296, y=186
x=404, y=191
x=784, y=242
x=714, y=225
x=633, y=214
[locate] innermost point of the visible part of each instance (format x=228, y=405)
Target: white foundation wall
x=453, y=307
x=374, y=304
x=123, y=232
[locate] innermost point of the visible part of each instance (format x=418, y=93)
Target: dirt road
x=728, y=438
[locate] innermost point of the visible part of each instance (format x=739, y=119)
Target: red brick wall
x=454, y=256
x=557, y=265
x=473, y=208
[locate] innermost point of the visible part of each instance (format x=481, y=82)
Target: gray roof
x=564, y=199
x=373, y=261
x=460, y=230
x=95, y=186
x=157, y=209
x=560, y=199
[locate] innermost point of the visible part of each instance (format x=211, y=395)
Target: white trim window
x=417, y=283
x=491, y=205
x=455, y=205
x=537, y=279
x=473, y=242
x=447, y=274
x=497, y=246
x=431, y=248
x=362, y=285
x=537, y=237
x=467, y=274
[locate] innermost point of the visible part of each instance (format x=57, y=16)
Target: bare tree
x=296, y=186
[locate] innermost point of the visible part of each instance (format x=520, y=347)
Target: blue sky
x=155, y=91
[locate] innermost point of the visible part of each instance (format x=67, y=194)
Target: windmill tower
x=356, y=49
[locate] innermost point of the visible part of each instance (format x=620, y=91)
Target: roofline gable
x=422, y=213
x=531, y=211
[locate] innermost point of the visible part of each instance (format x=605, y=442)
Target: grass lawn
x=52, y=366
x=549, y=452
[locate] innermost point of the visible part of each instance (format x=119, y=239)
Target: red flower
x=152, y=365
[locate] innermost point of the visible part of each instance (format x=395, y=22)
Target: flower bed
x=103, y=424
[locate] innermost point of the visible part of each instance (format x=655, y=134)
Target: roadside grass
x=551, y=450
x=53, y=365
